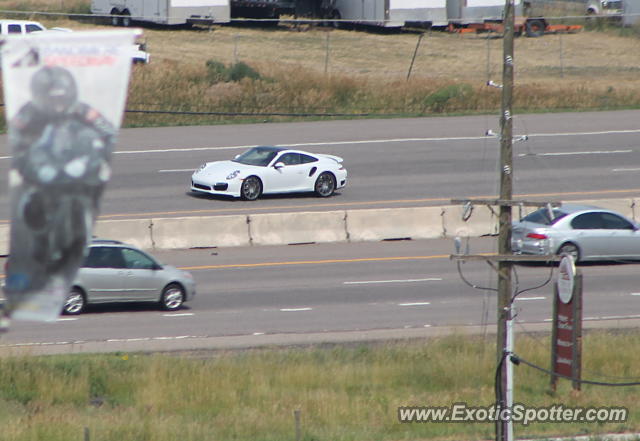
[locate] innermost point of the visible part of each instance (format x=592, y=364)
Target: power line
x=517, y=360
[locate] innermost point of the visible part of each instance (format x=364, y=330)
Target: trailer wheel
x=115, y=17
x=126, y=18
x=335, y=17
x=534, y=28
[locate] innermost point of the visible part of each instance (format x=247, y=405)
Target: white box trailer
x=463, y=12
x=166, y=12
x=631, y=9
x=391, y=13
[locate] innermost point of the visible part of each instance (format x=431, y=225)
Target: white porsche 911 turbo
x=267, y=170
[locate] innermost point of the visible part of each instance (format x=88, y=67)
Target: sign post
x=566, y=336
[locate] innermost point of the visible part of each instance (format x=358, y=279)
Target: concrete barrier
x=192, y=232
x=292, y=228
x=312, y=227
x=481, y=221
x=394, y=223
x=136, y=232
x=622, y=206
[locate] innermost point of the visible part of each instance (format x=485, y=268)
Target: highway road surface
x=391, y=163
x=376, y=287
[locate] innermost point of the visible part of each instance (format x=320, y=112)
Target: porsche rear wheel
x=325, y=185
x=251, y=188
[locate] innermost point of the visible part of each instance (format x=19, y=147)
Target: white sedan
x=266, y=170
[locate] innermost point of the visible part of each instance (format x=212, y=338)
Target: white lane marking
x=364, y=282
x=258, y=333
x=626, y=169
x=415, y=304
x=180, y=314
x=530, y=298
x=294, y=309
x=178, y=170
x=369, y=141
x=594, y=152
x=611, y=317
x=68, y=319
x=635, y=293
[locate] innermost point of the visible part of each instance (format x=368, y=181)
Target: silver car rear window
x=541, y=216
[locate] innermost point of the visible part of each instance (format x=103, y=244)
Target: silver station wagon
x=115, y=272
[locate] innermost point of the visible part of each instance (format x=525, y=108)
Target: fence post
x=326, y=55
x=415, y=52
x=86, y=434
x=235, y=48
x=296, y=417
x=561, y=57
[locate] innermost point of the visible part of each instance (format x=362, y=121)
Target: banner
x=64, y=95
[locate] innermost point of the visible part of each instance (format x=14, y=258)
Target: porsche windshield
x=260, y=156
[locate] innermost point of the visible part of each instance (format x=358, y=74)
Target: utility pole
x=505, y=258
x=504, y=429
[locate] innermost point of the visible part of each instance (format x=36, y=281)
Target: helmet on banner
x=54, y=89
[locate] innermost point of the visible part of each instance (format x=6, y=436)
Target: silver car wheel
x=74, y=303
x=172, y=298
x=251, y=188
x=570, y=249
x=325, y=185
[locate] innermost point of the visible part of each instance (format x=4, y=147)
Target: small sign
x=566, y=338
x=566, y=277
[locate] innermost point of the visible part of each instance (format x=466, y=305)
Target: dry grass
x=314, y=70
x=343, y=392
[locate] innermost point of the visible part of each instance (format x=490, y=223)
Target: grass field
x=345, y=392
x=309, y=72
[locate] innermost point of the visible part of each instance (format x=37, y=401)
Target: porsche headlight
x=233, y=174
x=202, y=167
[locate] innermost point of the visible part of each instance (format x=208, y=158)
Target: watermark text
x=518, y=413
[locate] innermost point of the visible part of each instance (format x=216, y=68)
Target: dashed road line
x=593, y=152
x=295, y=309
x=364, y=282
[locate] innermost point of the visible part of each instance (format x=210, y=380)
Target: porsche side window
x=290, y=159
x=14, y=29
x=306, y=159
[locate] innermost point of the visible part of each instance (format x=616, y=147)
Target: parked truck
x=622, y=12
x=165, y=12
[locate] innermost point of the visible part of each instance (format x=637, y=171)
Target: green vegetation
x=344, y=392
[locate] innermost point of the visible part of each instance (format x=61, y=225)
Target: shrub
x=217, y=72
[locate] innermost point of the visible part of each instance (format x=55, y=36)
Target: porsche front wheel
x=251, y=188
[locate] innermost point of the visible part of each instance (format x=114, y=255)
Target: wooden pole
x=504, y=236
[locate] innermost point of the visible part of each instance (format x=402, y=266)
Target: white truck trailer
x=165, y=12
x=391, y=13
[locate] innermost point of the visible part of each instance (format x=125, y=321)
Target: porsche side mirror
x=278, y=165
